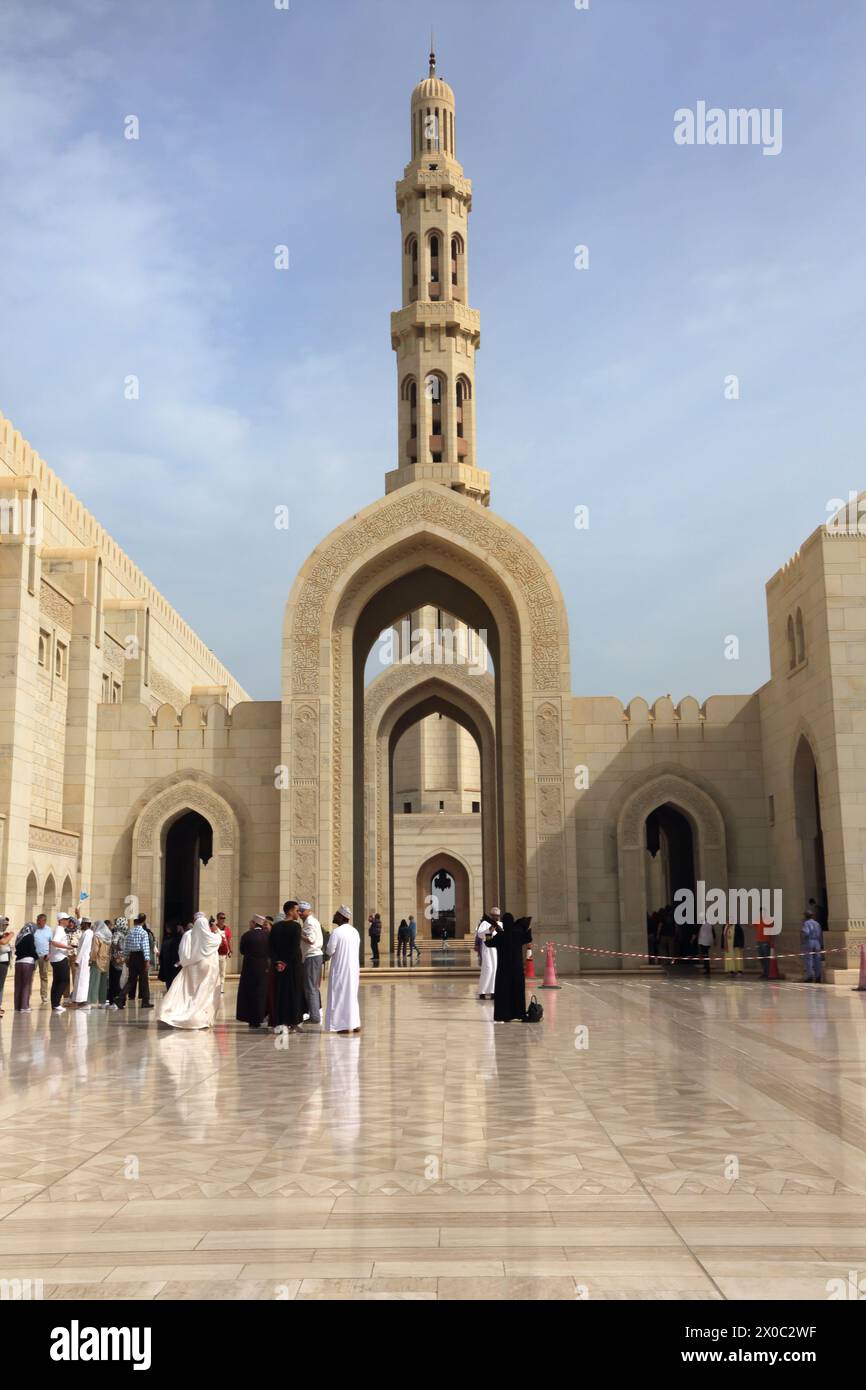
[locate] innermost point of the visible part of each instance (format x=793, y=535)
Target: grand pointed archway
x=427, y=545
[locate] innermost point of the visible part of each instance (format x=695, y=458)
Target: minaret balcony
x=443, y=313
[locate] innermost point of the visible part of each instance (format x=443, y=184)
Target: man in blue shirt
x=42, y=938
x=136, y=953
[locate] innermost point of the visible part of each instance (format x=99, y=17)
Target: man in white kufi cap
x=312, y=940
x=487, y=980
x=343, y=1014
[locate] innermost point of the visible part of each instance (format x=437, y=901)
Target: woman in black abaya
x=509, y=996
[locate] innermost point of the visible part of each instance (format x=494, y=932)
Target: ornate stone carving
x=55, y=841
x=551, y=880
x=185, y=795
x=305, y=809
x=548, y=744
x=549, y=808
x=166, y=691
x=55, y=605
x=112, y=653
x=497, y=549
x=305, y=741
x=683, y=794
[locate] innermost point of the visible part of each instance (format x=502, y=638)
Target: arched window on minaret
x=458, y=288
x=434, y=387
x=463, y=404
x=409, y=419
x=434, y=244
x=411, y=270
x=792, y=645
x=801, y=637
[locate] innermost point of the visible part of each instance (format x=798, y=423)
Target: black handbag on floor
x=534, y=1013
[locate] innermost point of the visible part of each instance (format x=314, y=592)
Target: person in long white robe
x=82, y=961
x=194, y=996
x=487, y=978
x=343, y=1013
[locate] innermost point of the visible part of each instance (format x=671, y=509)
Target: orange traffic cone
x=529, y=972
x=550, y=980
x=862, y=984
x=775, y=973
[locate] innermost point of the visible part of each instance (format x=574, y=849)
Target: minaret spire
x=435, y=334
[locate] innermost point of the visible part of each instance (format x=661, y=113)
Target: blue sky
x=602, y=387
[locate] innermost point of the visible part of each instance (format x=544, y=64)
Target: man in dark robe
x=509, y=994
x=169, y=951
x=284, y=940
x=252, y=1004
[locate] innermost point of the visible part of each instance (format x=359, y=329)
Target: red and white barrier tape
x=645, y=955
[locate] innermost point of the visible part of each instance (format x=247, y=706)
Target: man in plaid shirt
x=136, y=953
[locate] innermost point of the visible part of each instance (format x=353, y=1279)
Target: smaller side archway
x=150, y=842
x=444, y=894
x=709, y=847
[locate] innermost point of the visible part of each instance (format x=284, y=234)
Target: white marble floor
x=651, y=1139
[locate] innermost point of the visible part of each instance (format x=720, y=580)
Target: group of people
x=673, y=943
x=406, y=946
x=499, y=943
x=281, y=971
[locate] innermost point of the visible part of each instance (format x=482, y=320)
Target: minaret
x=436, y=335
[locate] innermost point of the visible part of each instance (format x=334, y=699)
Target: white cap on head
x=63, y=917
x=305, y=907
x=345, y=912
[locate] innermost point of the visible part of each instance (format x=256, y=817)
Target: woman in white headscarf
x=194, y=997
x=100, y=962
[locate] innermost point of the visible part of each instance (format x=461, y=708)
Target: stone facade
x=117, y=723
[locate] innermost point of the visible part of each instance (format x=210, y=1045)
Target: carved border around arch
x=148, y=840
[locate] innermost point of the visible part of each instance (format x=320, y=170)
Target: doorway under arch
x=443, y=892
x=670, y=862
x=807, y=816
x=188, y=853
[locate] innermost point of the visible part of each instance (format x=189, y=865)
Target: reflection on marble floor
x=709, y=1142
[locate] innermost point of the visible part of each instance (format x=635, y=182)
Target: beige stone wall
x=715, y=749
x=417, y=838
x=223, y=764
x=79, y=624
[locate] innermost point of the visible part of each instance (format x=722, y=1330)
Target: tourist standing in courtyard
x=7, y=945
x=733, y=941
x=169, y=963
x=25, y=964
x=509, y=993
x=414, y=948
x=311, y=947
x=193, y=999
x=82, y=965
x=225, y=949
x=763, y=934
x=375, y=933
x=42, y=942
x=252, y=1003
x=487, y=959
x=343, y=1014
x=706, y=940
x=287, y=969
x=136, y=954
x=811, y=942
x=100, y=963
x=58, y=959
x=402, y=939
